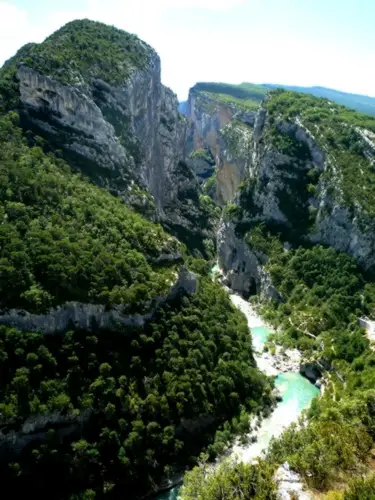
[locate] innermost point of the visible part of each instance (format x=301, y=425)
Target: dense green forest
x=143, y=403
x=63, y=238
x=95, y=413
x=322, y=294
x=85, y=49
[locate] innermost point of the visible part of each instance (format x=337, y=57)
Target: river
x=297, y=393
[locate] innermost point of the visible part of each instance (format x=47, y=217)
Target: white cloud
x=13, y=23
x=10, y=15
x=200, y=4
x=214, y=44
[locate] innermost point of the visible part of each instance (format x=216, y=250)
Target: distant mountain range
x=362, y=103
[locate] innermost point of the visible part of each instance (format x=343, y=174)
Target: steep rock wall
x=115, y=135
x=295, y=187
x=225, y=131
x=244, y=271
x=207, y=116
x=235, y=143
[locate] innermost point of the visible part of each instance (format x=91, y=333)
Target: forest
x=95, y=412
x=107, y=412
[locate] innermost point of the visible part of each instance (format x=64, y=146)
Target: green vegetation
x=105, y=412
x=335, y=445
x=243, y=104
x=202, y=154
x=336, y=130
x=323, y=293
x=246, y=96
x=84, y=50
x=209, y=186
x=64, y=239
x=88, y=414
x=209, y=207
x=156, y=396
x=362, y=103
x=238, y=139
x=230, y=481
x=363, y=489
x=243, y=91
x=94, y=414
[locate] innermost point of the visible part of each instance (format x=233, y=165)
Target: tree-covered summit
x=85, y=49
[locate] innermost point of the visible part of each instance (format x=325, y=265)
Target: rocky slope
x=308, y=178
x=120, y=358
x=114, y=121
x=221, y=122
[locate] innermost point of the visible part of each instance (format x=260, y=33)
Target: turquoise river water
x=297, y=393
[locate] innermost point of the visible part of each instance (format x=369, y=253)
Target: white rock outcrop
x=290, y=485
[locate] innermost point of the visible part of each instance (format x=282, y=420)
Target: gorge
x=295, y=390
x=122, y=360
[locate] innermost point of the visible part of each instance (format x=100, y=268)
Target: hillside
x=297, y=235
x=246, y=96
x=121, y=359
x=362, y=103
x=84, y=91
x=313, y=174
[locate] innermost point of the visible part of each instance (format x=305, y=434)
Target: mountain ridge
x=363, y=103
x=122, y=357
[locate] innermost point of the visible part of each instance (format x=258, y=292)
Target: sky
x=329, y=43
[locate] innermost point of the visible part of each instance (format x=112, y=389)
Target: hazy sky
x=301, y=42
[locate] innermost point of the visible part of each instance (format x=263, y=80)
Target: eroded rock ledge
x=93, y=317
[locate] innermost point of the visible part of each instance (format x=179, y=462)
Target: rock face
x=312, y=370
x=235, y=142
x=202, y=168
x=243, y=268
x=290, y=485
x=126, y=135
x=207, y=116
x=293, y=185
x=94, y=317
x=117, y=135
x=34, y=429
x=226, y=131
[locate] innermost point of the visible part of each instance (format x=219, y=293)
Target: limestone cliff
x=305, y=184
x=120, y=127
x=221, y=124
x=233, y=159
x=95, y=317
x=117, y=135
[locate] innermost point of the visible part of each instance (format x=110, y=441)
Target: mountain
x=295, y=179
x=85, y=91
x=362, y=103
x=215, y=111
x=120, y=357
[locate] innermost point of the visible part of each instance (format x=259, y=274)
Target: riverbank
x=295, y=390
x=280, y=360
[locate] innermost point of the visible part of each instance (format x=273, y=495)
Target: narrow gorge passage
x=296, y=391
